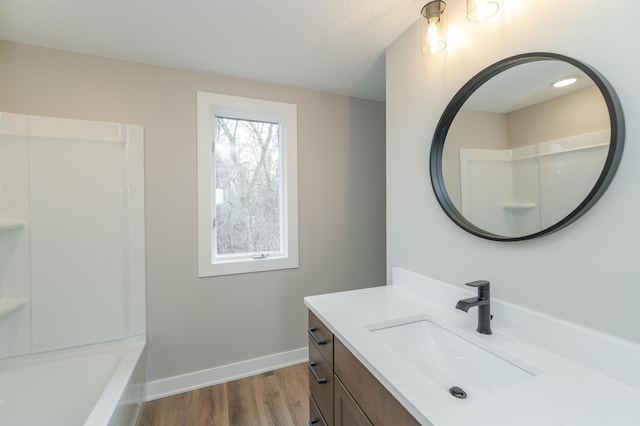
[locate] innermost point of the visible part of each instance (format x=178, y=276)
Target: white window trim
x=256, y=109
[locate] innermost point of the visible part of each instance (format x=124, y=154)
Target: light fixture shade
x=480, y=10
x=433, y=27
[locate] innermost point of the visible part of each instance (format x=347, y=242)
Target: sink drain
x=458, y=392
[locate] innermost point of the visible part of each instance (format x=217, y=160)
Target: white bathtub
x=97, y=385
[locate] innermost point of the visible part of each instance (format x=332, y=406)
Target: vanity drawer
x=321, y=338
x=321, y=383
x=373, y=398
x=315, y=417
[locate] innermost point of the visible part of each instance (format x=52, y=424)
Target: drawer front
x=321, y=383
x=315, y=417
x=373, y=398
x=322, y=338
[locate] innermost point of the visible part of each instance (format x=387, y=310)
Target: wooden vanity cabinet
x=380, y=407
x=321, y=384
x=320, y=372
x=315, y=417
x=342, y=392
x=345, y=410
x=321, y=338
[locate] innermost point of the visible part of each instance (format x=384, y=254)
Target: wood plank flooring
x=276, y=398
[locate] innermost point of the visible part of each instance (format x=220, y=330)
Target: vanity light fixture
x=434, y=23
x=565, y=82
x=481, y=10
x=433, y=27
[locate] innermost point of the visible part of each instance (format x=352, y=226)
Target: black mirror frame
x=611, y=163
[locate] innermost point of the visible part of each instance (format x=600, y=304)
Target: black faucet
x=482, y=302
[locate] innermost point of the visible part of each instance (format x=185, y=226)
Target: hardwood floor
x=276, y=398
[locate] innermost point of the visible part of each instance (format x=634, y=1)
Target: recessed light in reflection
x=565, y=82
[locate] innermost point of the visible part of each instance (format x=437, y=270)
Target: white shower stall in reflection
x=72, y=258
x=519, y=191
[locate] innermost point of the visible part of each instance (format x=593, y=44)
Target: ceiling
x=525, y=85
x=335, y=46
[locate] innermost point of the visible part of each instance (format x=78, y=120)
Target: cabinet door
x=374, y=399
x=346, y=411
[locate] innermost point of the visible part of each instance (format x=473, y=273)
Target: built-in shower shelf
x=519, y=206
x=10, y=224
x=9, y=306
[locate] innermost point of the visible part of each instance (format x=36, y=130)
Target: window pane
x=247, y=195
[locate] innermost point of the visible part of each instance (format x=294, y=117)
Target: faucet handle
x=481, y=284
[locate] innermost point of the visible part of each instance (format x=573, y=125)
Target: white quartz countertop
x=562, y=391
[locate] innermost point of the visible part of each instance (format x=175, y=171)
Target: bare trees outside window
x=247, y=178
x=247, y=185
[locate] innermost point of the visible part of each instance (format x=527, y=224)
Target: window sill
x=245, y=266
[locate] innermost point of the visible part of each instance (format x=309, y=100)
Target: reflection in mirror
x=516, y=164
x=521, y=156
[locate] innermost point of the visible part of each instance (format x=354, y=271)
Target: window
x=247, y=185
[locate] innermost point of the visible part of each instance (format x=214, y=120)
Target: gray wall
x=576, y=113
x=195, y=324
x=470, y=129
x=586, y=273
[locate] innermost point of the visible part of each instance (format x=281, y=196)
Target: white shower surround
x=72, y=254
x=520, y=191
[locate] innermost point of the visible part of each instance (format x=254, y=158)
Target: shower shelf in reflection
x=8, y=306
x=10, y=224
x=519, y=206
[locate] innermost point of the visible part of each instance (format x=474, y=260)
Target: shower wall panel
x=77, y=186
x=15, y=323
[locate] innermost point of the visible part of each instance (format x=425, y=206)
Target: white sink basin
x=450, y=360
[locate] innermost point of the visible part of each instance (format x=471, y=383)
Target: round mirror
x=526, y=147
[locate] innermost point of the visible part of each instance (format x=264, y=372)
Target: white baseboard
x=225, y=373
